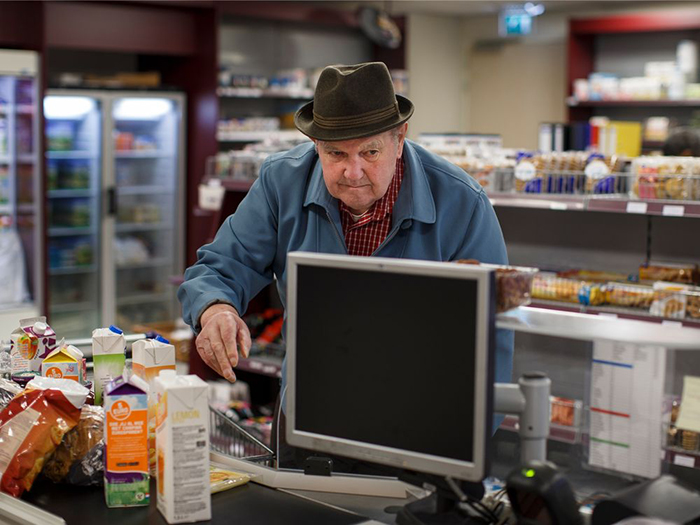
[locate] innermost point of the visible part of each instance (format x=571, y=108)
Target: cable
x=482, y=510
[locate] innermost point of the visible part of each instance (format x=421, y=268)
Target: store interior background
x=462, y=77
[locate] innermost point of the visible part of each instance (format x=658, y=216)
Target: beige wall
x=435, y=58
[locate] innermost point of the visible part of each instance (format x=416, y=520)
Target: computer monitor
x=390, y=361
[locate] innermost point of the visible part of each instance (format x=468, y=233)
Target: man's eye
x=372, y=152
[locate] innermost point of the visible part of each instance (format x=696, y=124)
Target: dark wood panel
x=311, y=12
x=126, y=28
x=638, y=23
x=21, y=25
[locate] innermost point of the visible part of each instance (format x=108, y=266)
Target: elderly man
x=361, y=188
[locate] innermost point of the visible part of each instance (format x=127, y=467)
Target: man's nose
x=353, y=169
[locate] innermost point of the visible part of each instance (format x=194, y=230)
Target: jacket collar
x=415, y=201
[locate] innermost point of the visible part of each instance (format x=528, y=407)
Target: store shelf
x=127, y=228
x=267, y=366
x=69, y=155
x=5, y=159
x=258, y=136
x=69, y=194
x=66, y=232
x=72, y=307
x=73, y=270
x=143, y=190
x=152, y=263
x=142, y=154
x=244, y=92
x=682, y=457
x=589, y=327
x=546, y=202
x=633, y=103
x=144, y=298
x=610, y=204
x=621, y=312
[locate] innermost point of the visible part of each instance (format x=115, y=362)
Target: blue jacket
x=441, y=214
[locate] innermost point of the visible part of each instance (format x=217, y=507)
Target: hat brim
x=304, y=121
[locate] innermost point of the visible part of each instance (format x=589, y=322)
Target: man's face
x=359, y=171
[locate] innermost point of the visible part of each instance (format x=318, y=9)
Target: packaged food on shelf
x=513, y=284
x=674, y=178
x=593, y=275
x=629, y=295
x=674, y=273
x=564, y=411
x=602, y=174
x=33, y=425
x=528, y=178
x=549, y=286
x=670, y=300
x=76, y=444
x=692, y=305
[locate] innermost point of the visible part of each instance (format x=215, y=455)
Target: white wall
x=435, y=60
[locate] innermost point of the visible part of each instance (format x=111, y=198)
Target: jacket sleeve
x=484, y=242
x=238, y=262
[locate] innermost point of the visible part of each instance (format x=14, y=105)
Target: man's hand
x=223, y=337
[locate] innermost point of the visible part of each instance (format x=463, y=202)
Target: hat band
x=364, y=119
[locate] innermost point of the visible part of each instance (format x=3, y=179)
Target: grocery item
x=675, y=273
x=76, y=444
x=528, y=179
x=108, y=354
x=633, y=296
x=32, y=426
x=126, y=477
x=221, y=479
x=676, y=178
x=38, y=341
x=563, y=411
x=692, y=306
x=548, y=286
x=670, y=300
x=601, y=173
x=182, y=443
x=66, y=362
x=149, y=358
x=513, y=284
x=8, y=390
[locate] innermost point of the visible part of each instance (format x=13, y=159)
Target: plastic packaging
x=633, y=296
x=32, y=426
x=221, y=479
x=673, y=273
x=8, y=390
x=76, y=444
x=513, y=284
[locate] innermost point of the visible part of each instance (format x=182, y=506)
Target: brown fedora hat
x=351, y=102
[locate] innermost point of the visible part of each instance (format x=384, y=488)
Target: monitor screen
x=388, y=361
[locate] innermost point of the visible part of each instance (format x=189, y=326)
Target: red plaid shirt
x=364, y=236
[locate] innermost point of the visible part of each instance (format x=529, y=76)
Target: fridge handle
x=112, y=201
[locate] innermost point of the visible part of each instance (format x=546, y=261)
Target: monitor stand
x=441, y=507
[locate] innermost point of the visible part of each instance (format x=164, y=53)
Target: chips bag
x=32, y=426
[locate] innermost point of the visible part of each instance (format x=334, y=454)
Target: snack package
x=548, y=286
x=513, y=284
x=528, y=178
x=76, y=444
x=32, y=426
x=8, y=390
x=670, y=300
x=673, y=273
x=692, y=306
x=108, y=354
x=221, y=479
x=634, y=296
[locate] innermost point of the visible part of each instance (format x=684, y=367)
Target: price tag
x=558, y=206
x=684, y=461
x=676, y=324
x=673, y=211
x=636, y=207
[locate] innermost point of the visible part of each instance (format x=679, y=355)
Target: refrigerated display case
x=116, y=208
x=21, y=278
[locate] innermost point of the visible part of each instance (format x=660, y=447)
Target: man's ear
x=402, y=137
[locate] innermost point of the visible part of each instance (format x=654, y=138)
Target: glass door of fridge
x=73, y=178
x=147, y=139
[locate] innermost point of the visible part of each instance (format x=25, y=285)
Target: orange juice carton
x=182, y=445
x=31, y=342
x=108, y=355
x=126, y=477
x=149, y=357
x=65, y=362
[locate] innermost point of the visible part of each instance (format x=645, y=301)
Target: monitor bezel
x=465, y=470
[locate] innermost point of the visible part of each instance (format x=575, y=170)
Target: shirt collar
x=415, y=200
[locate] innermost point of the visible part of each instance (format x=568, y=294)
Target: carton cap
x=40, y=328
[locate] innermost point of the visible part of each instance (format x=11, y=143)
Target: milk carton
x=66, y=362
x=31, y=343
x=127, y=481
x=149, y=357
x=108, y=347
x=182, y=448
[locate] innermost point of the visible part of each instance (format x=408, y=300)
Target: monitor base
x=433, y=510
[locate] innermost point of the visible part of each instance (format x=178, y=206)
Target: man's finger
x=228, y=336
x=205, y=352
x=220, y=354
x=244, y=341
